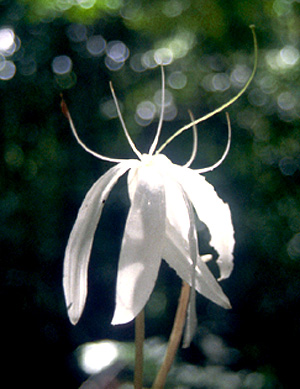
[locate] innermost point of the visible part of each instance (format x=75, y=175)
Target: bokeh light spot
x=145, y=113
x=282, y=7
x=136, y=63
x=146, y=110
x=170, y=113
x=66, y=81
x=214, y=349
x=289, y=55
x=27, y=66
x=108, y=109
x=114, y=4
x=257, y=97
x=7, y=71
x=117, y=51
x=94, y=357
x=206, y=82
x=170, y=110
x=14, y=156
x=86, y=4
x=77, y=33
x=148, y=59
x=268, y=83
x=286, y=101
x=240, y=75
x=7, y=40
x=288, y=166
x=62, y=64
x=177, y=80
x=181, y=43
x=168, y=98
x=220, y=82
x=113, y=65
x=172, y=8
x=96, y=45
x=163, y=56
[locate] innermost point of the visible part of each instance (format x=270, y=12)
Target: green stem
x=175, y=337
x=139, y=343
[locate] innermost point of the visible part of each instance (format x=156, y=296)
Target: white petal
x=142, y=245
x=212, y=211
x=177, y=248
x=80, y=242
x=181, y=224
x=205, y=283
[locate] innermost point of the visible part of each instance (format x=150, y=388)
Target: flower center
x=157, y=160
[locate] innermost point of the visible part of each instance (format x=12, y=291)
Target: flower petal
x=212, y=211
x=205, y=283
x=142, y=244
x=80, y=242
x=177, y=249
x=181, y=220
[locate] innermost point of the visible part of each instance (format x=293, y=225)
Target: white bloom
x=165, y=198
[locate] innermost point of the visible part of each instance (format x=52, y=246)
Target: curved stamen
x=195, y=142
x=209, y=115
x=218, y=163
x=154, y=144
x=68, y=116
x=130, y=141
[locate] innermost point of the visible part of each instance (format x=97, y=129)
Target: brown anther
x=64, y=107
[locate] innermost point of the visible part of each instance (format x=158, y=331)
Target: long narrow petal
x=181, y=221
x=142, y=244
x=191, y=319
x=205, y=283
x=177, y=247
x=212, y=211
x=80, y=242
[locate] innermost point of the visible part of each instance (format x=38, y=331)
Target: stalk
x=175, y=337
x=139, y=344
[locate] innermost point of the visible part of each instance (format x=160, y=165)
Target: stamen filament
x=87, y=149
x=154, y=144
x=195, y=142
x=209, y=115
x=218, y=163
x=130, y=141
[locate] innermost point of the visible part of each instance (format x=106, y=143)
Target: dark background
x=45, y=174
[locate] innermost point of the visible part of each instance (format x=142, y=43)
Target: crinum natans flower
x=165, y=199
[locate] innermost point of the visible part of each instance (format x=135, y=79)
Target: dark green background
x=45, y=174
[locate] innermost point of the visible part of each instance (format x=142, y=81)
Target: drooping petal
x=205, y=283
x=191, y=319
x=177, y=249
x=80, y=242
x=142, y=244
x=212, y=211
x=181, y=218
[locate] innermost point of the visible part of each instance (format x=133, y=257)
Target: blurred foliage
x=76, y=47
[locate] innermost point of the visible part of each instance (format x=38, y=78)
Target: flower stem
x=175, y=337
x=139, y=343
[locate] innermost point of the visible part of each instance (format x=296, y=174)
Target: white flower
x=164, y=200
